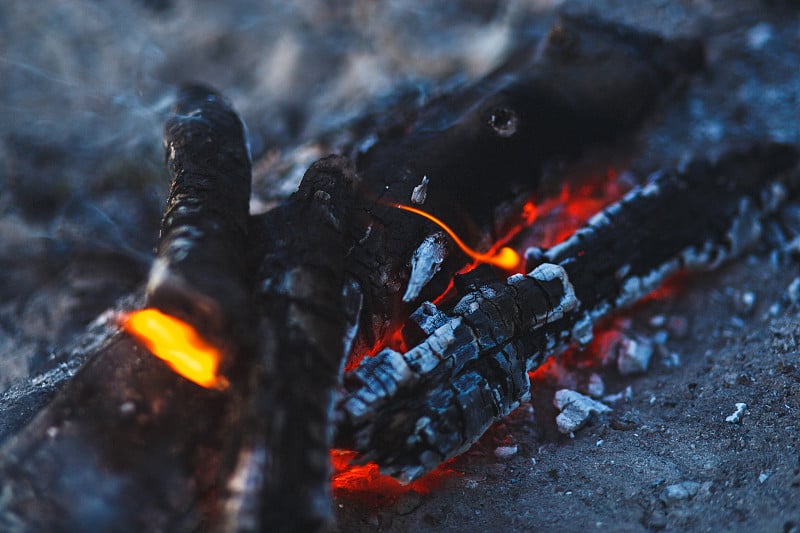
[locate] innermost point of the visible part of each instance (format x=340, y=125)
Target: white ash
x=737, y=415
x=626, y=394
x=634, y=356
x=660, y=337
x=595, y=388
x=506, y=452
x=671, y=359
x=420, y=192
x=576, y=410
x=425, y=263
x=759, y=35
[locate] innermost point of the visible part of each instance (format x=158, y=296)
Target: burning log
x=469, y=156
x=409, y=412
x=125, y=444
x=201, y=273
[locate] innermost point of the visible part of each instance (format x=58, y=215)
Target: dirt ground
x=82, y=187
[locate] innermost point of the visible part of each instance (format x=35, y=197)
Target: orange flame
x=505, y=258
x=179, y=345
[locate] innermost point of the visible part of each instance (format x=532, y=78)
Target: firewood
x=126, y=444
x=410, y=412
x=588, y=84
x=309, y=309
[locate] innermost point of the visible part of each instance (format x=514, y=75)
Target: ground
x=614, y=474
x=84, y=89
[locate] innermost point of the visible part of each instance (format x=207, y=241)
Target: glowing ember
x=179, y=345
x=505, y=258
x=367, y=480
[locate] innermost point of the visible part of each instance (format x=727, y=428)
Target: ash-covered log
x=409, y=412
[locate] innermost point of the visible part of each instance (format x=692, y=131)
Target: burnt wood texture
x=126, y=445
x=200, y=273
x=309, y=309
x=288, y=293
x=587, y=85
x=409, y=412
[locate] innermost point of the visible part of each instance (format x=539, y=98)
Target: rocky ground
x=84, y=92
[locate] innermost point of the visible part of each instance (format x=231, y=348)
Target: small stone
x=595, y=388
x=762, y=477
x=680, y=491
x=747, y=302
x=471, y=484
x=52, y=431
x=737, y=415
x=576, y=410
x=634, y=356
x=505, y=452
x=793, y=291
x=759, y=35
x=657, y=321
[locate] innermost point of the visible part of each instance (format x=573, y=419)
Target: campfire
x=461, y=266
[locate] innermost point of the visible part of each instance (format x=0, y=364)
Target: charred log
x=468, y=154
x=126, y=443
x=200, y=273
x=310, y=311
x=409, y=412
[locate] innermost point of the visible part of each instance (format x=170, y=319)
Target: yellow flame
x=505, y=258
x=179, y=345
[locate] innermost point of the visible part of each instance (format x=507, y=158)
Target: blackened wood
x=409, y=412
x=588, y=84
x=200, y=273
x=128, y=444
x=125, y=446
x=310, y=311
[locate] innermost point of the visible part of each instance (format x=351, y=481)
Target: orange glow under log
x=505, y=258
x=179, y=345
x=366, y=479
